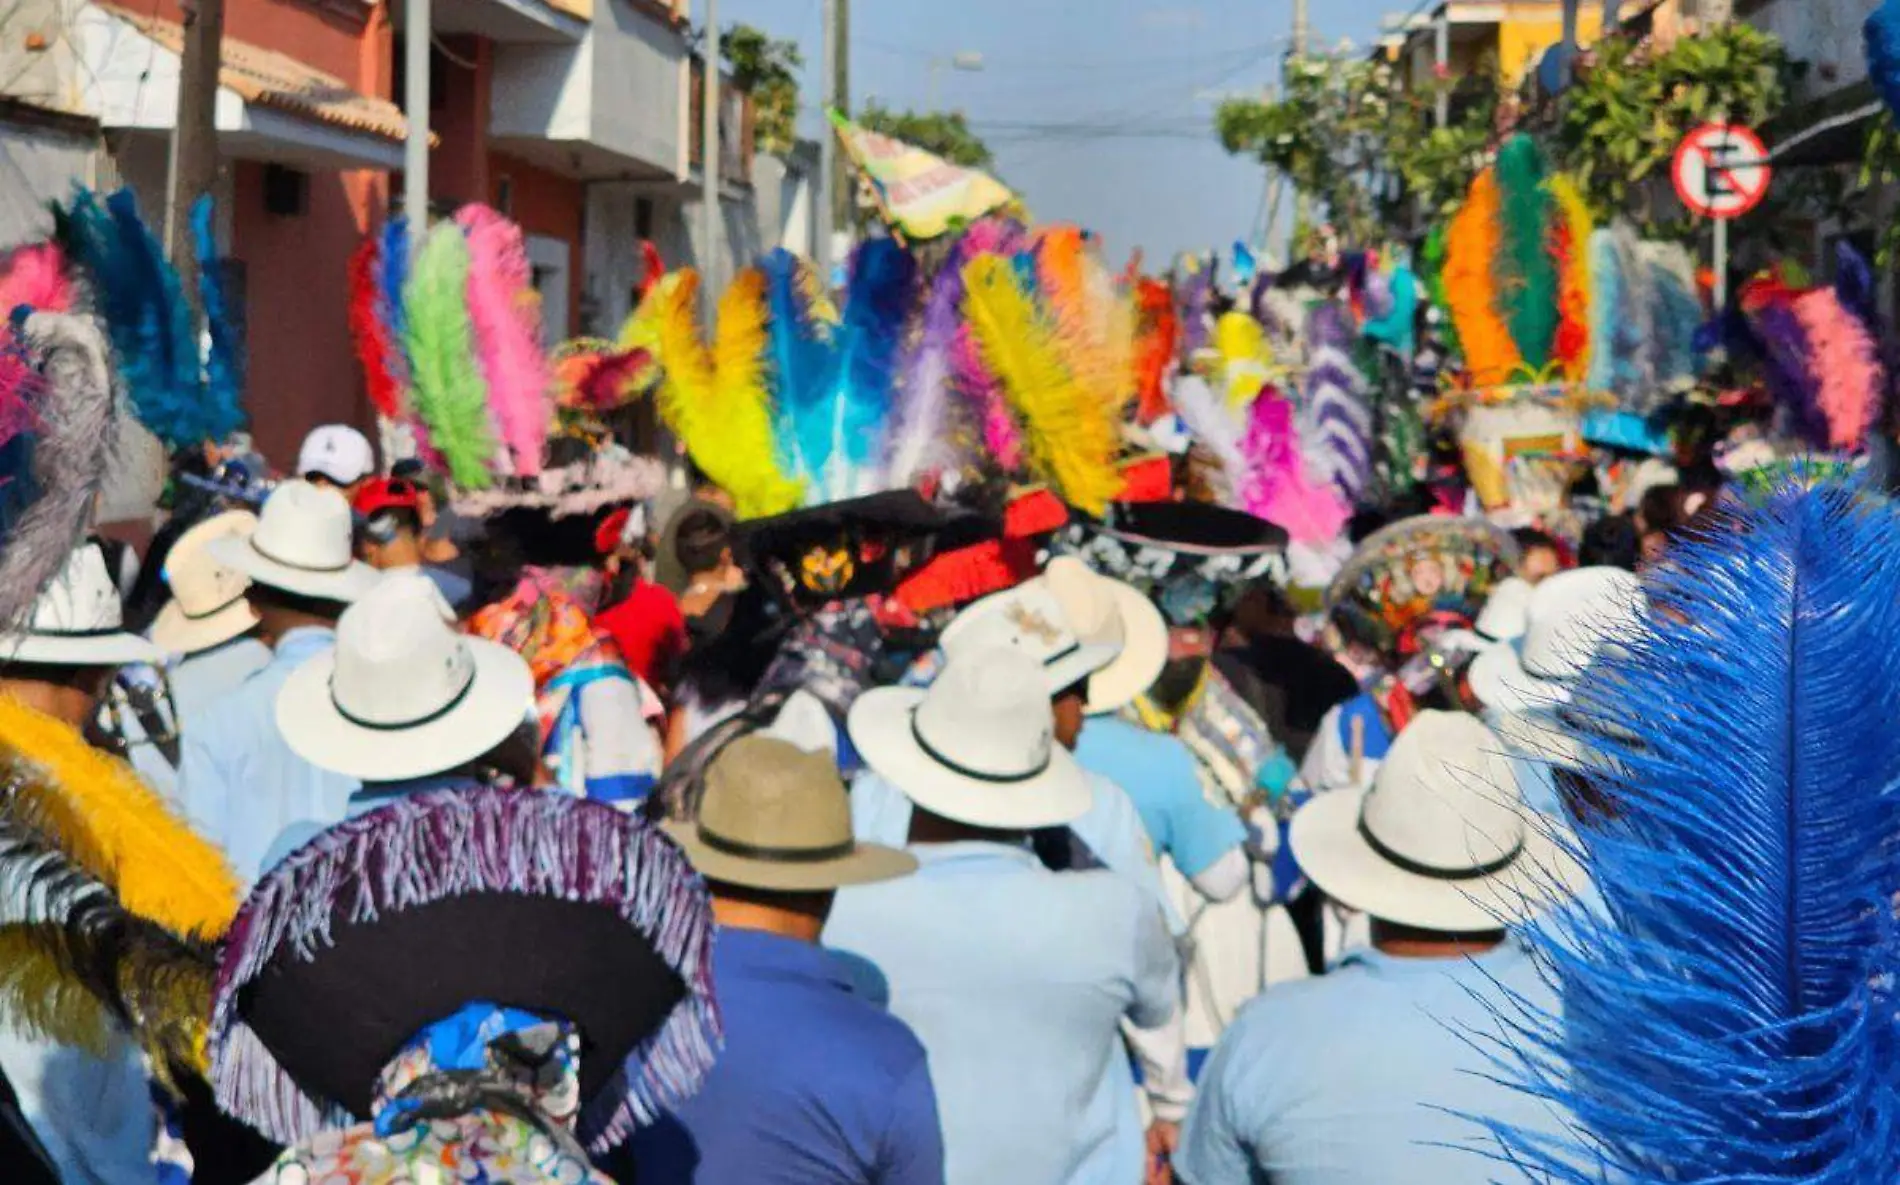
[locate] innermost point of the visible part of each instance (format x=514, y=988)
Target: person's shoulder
x=873, y=1034
x=1292, y=1007
x=1125, y=742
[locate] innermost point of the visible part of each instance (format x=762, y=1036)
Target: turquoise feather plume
x=224, y=364
x=1729, y=1012
x=801, y=360
x=862, y=377
x=1525, y=269
x=445, y=378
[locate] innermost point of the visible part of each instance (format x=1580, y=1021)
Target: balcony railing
x=735, y=129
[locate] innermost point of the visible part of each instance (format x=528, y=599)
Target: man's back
x=813, y=1086
x=1015, y=979
x=238, y=781
x=1361, y=1078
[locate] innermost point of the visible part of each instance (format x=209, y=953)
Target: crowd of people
x=1081, y=763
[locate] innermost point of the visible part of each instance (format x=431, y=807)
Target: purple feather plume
x=919, y=436
x=1792, y=381
x=1196, y=300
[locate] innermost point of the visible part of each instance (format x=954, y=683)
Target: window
x=505, y=196
x=643, y=218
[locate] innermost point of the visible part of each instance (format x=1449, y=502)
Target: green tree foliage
x=1348, y=132
x=1622, y=119
x=946, y=133
x=767, y=69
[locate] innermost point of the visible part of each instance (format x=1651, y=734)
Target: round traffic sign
x=1722, y=170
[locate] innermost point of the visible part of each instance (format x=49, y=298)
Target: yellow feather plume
x=719, y=404
x=1574, y=292
x=1472, y=243
x=39, y=1000
x=1071, y=435
x=115, y=826
x=1244, y=357
x=1080, y=328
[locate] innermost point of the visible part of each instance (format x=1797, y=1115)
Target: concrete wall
x=37, y=165
x=619, y=89
x=1824, y=33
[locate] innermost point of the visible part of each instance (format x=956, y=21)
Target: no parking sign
x=1722, y=171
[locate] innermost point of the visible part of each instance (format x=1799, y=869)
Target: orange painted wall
x=330, y=40
x=545, y=203
x=302, y=368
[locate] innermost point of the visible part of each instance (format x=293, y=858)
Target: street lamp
x=968, y=61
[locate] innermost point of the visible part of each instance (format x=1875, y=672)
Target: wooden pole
x=194, y=165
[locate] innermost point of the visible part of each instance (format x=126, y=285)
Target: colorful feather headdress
x=1728, y=1012
x=1823, y=364
x=184, y=395
x=115, y=900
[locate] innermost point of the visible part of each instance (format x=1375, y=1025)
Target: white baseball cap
x=337, y=452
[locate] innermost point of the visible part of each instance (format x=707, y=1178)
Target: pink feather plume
x=35, y=274
x=1846, y=364
x=1277, y=488
x=501, y=304
x=1002, y=439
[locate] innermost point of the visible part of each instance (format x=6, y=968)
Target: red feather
x=1573, y=326
x=1156, y=337
x=602, y=386
x=654, y=266
x=372, y=336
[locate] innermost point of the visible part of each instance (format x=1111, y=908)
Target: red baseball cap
x=387, y=493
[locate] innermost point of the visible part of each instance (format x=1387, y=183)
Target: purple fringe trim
x=444, y=844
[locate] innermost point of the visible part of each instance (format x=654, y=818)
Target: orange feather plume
x=1471, y=247
x=1157, y=333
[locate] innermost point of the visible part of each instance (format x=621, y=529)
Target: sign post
x=1722, y=172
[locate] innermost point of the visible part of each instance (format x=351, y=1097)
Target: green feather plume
x=1432, y=267
x=1526, y=273
x=446, y=379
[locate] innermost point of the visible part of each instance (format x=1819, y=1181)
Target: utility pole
x=843, y=192
x=709, y=167
x=416, y=19
x=827, y=147
x=1568, y=53
x=194, y=156
x=1612, y=15
x=1441, y=60
x=1301, y=31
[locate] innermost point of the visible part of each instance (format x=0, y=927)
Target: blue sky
x=1057, y=73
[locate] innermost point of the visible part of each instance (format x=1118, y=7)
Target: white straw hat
x=1570, y=617
x=1078, y=624
x=1442, y=841
x=79, y=621
x=978, y=746
x=302, y=544
x=403, y=695
x=207, y=606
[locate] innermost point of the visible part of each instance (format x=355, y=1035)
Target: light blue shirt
x=196, y=681
x=1112, y=829
x=238, y=780
x=93, y=1115
x=1362, y=1076
x=1160, y=776
x=1016, y=980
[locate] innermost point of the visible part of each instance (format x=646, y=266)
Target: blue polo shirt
x=1374, y=1072
x=814, y=1086
x=1160, y=776
x=1017, y=979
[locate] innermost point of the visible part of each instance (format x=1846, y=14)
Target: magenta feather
x=35, y=275
x=1846, y=364
x=1277, y=488
x=1002, y=437
x=501, y=303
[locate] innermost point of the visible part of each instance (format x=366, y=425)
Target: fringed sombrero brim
x=615, y=936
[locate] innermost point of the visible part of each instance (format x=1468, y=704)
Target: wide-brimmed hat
x=207, y=607
x=1192, y=559
x=78, y=621
x=1442, y=841
x=1502, y=621
x=978, y=746
x=301, y=544
x=777, y=817
x=843, y=550
x=1570, y=617
x=1078, y=624
x=403, y=694
x=1418, y=575
x=389, y=922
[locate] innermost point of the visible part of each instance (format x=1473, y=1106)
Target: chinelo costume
x=1193, y=560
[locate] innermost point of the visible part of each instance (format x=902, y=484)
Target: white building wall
x=37, y=166
x=1824, y=33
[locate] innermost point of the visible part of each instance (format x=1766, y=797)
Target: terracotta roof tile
x=272, y=79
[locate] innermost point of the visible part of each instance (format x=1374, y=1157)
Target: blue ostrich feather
x=801, y=359
x=1728, y=1013
x=394, y=274
x=1882, y=36
x=867, y=347
x=224, y=364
